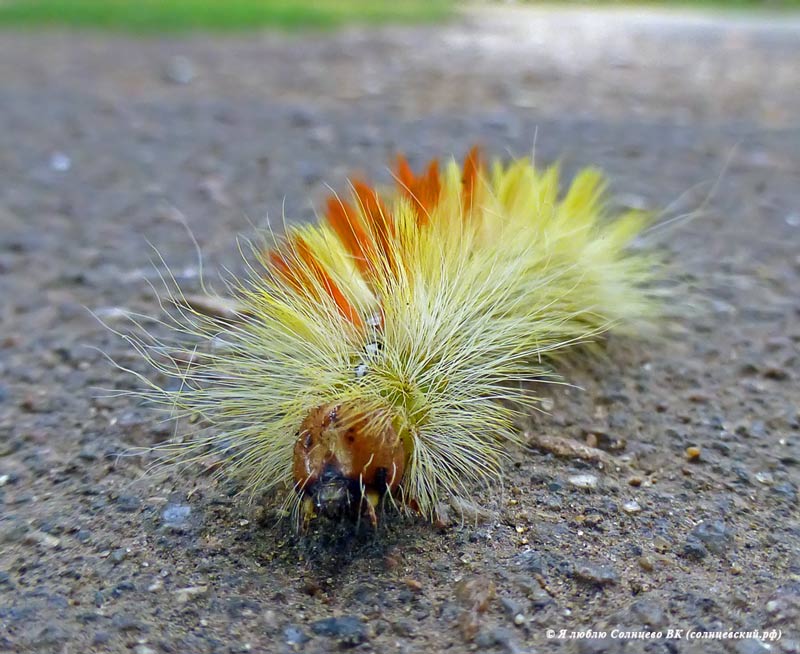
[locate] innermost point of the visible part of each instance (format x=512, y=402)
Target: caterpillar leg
x=372, y=499
x=307, y=512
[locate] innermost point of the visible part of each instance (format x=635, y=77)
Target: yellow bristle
x=472, y=292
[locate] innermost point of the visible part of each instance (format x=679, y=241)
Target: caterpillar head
x=345, y=460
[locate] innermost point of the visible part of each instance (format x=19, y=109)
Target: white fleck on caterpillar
x=382, y=353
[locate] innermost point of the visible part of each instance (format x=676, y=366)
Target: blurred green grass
x=733, y=5
x=189, y=15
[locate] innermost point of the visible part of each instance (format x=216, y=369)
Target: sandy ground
x=109, y=142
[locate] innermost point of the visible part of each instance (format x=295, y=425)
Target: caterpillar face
x=345, y=460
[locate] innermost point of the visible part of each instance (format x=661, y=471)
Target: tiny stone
x=41, y=538
x=787, y=490
x=175, y=515
x=475, y=593
x=648, y=613
x=183, y=595
x=302, y=117
x=122, y=587
x=127, y=623
x=347, y=629
x=765, y=478
x=403, y=628
x=60, y=162
x=101, y=638
x=294, y=635
x=604, y=575
x=530, y=561
x=693, y=453
x=646, y=563
x=128, y=503
x=585, y=482
x=714, y=535
x=493, y=637
x=776, y=374
x=179, y=70
x=88, y=453
x=693, y=549
x=631, y=507
x=512, y=607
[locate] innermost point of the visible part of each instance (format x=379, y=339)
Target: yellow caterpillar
x=384, y=352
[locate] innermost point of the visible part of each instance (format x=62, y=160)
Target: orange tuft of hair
x=306, y=274
x=473, y=165
x=423, y=190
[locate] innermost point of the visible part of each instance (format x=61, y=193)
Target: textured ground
x=107, y=142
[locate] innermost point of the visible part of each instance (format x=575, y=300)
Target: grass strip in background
x=733, y=5
x=213, y=15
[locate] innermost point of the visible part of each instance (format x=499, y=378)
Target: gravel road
x=110, y=142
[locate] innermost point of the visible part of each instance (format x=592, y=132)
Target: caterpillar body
x=386, y=352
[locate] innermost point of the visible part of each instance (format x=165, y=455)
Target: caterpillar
x=387, y=352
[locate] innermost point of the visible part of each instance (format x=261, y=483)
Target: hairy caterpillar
x=385, y=352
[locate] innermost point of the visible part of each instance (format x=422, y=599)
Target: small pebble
x=293, y=635
x=603, y=575
x=632, y=507
x=585, y=482
x=183, y=595
x=403, y=628
x=511, y=607
x=127, y=623
x=776, y=374
x=348, y=630
x=302, y=117
x=179, y=70
x=649, y=613
x=128, y=503
x=475, y=592
x=694, y=549
x=176, y=515
x=765, y=478
x=101, y=638
x=715, y=536
x=693, y=453
x=60, y=162
x=119, y=555
x=41, y=538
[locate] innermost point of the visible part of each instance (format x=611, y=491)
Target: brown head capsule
x=345, y=458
